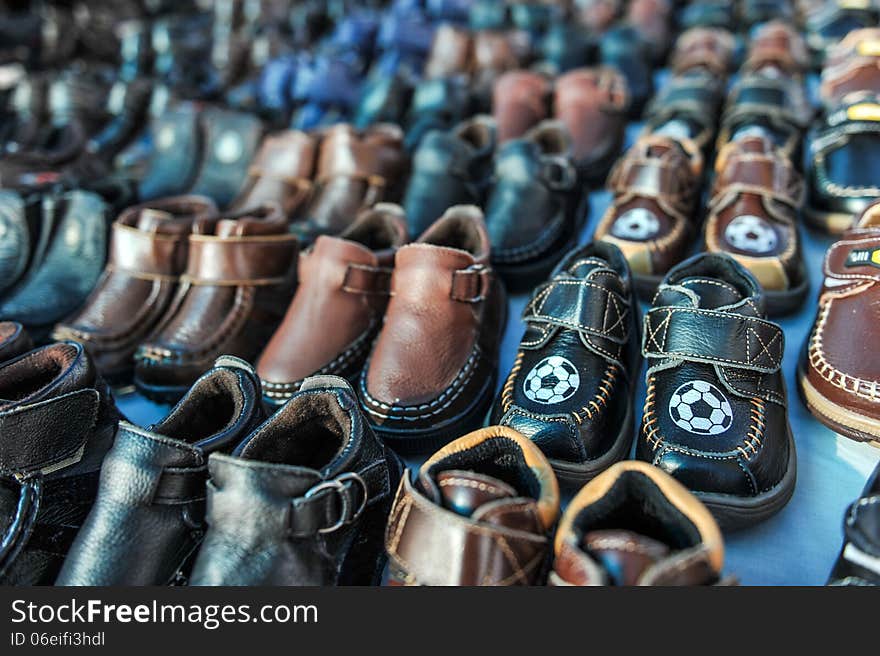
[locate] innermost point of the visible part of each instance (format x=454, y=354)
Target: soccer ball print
x=700, y=408
x=553, y=380
x=637, y=224
x=751, y=234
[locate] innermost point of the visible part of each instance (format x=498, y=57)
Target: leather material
x=302, y=500
x=656, y=187
x=177, y=141
x=149, y=515
x=566, y=46
x=436, y=355
x=355, y=170
x=54, y=396
x=384, y=99
x=437, y=104
x=716, y=412
x=635, y=525
x=19, y=236
x=343, y=282
x=478, y=512
x=583, y=321
x=776, y=43
x=708, y=13
x=705, y=48
x=859, y=560
x=687, y=107
x=622, y=48
x=652, y=20
x=14, y=340
x=74, y=251
x=827, y=24
x=241, y=274
x=449, y=168
x=753, y=210
x=148, y=254
x=520, y=100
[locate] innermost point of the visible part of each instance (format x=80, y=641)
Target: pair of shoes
x=417, y=326
x=828, y=23
x=715, y=413
x=48, y=483
x=216, y=494
x=484, y=509
x=590, y=102
x=183, y=285
x=529, y=187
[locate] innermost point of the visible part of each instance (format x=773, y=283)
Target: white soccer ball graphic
x=553, y=380
x=700, y=408
x=751, y=233
x=637, y=224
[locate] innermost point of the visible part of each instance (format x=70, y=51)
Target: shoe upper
x=635, y=525
x=57, y=421
x=14, y=340
x=715, y=413
x=478, y=512
x=570, y=388
x=520, y=100
x=344, y=282
x=298, y=497
x=859, y=560
x=149, y=514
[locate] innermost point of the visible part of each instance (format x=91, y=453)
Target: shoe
x=343, y=282
x=66, y=264
x=704, y=48
x=177, y=147
x=598, y=15
x=437, y=104
x=687, y=109
x=623, y=49
x=480, y=511
x=520, y=100
x=651, y=218
x=652, y=20
x=708, y=13
x=281, y=172
x=859, y=560
x=148, y=254
x=567, y=46
x=240, y=276
x=22, y=225
x=753, y=211
x=449, y=168
x=149, y=514
x=778, y=44
x=431, y=374
x=535, y=209
x=571, y=386
x=827, y=23
x=48, y=483
x=636, y=525
x=14, y=340
x=355, y=170
x=303, y=500
x=715, y=415
x=838, y=369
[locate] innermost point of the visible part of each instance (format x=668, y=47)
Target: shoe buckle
x=346, y=515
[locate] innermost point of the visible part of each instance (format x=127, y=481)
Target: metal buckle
x=338, y=484
x=559, y=174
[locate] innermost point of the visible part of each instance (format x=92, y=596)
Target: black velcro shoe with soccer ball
x=570, y=389
x=716, y=409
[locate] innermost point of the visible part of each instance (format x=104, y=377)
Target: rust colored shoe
x=840, y=370
x=344, y=283
x=431, y=375
x=148, y=254
x=520, y=100
x=755, y=202
x=240, y=277
x=656, y=186
x=479, y=512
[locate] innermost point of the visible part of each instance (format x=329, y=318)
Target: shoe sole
x=162, y=394
x=834, y=223
x=781, y=303
x=734, y=512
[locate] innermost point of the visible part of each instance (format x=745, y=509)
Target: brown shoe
x=520, y=100
x=636, y=525
x=656, y=186
x=592, y=103
x=840, y=370
x=479, y=512
x=344, y=282
x=356, y=170
x=753, y=210
x=704, y=48
x=14, y=340
x=148, y=254
x=240, y=277
x=431, y=375
x=281, y=172
x=780, y=45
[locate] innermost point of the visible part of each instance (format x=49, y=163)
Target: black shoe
x=859, y=560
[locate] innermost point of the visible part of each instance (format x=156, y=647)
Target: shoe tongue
x=584, y=267
x=710, y=294
x=466, y=492
x=623, y=555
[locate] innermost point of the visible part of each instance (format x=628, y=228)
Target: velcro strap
x=177, y=485
x=580, y=305
x=854, y=259
x=470, y=285
x=333, y=503
x=723, y=338
x=646, y=177
x=365, y=279
x=147, y=255
x=258, y=260
x=65, y=423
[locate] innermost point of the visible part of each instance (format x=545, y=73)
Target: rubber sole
x=734, y=512
x=834, y=223
x=163, y=394
x=781, y=303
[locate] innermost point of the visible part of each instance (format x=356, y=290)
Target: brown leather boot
x=520, y=100
x=239, y=279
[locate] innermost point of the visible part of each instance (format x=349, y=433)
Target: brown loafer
x=240, y=276
x=431, y=375
x=344, y=282
x=839, y=372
